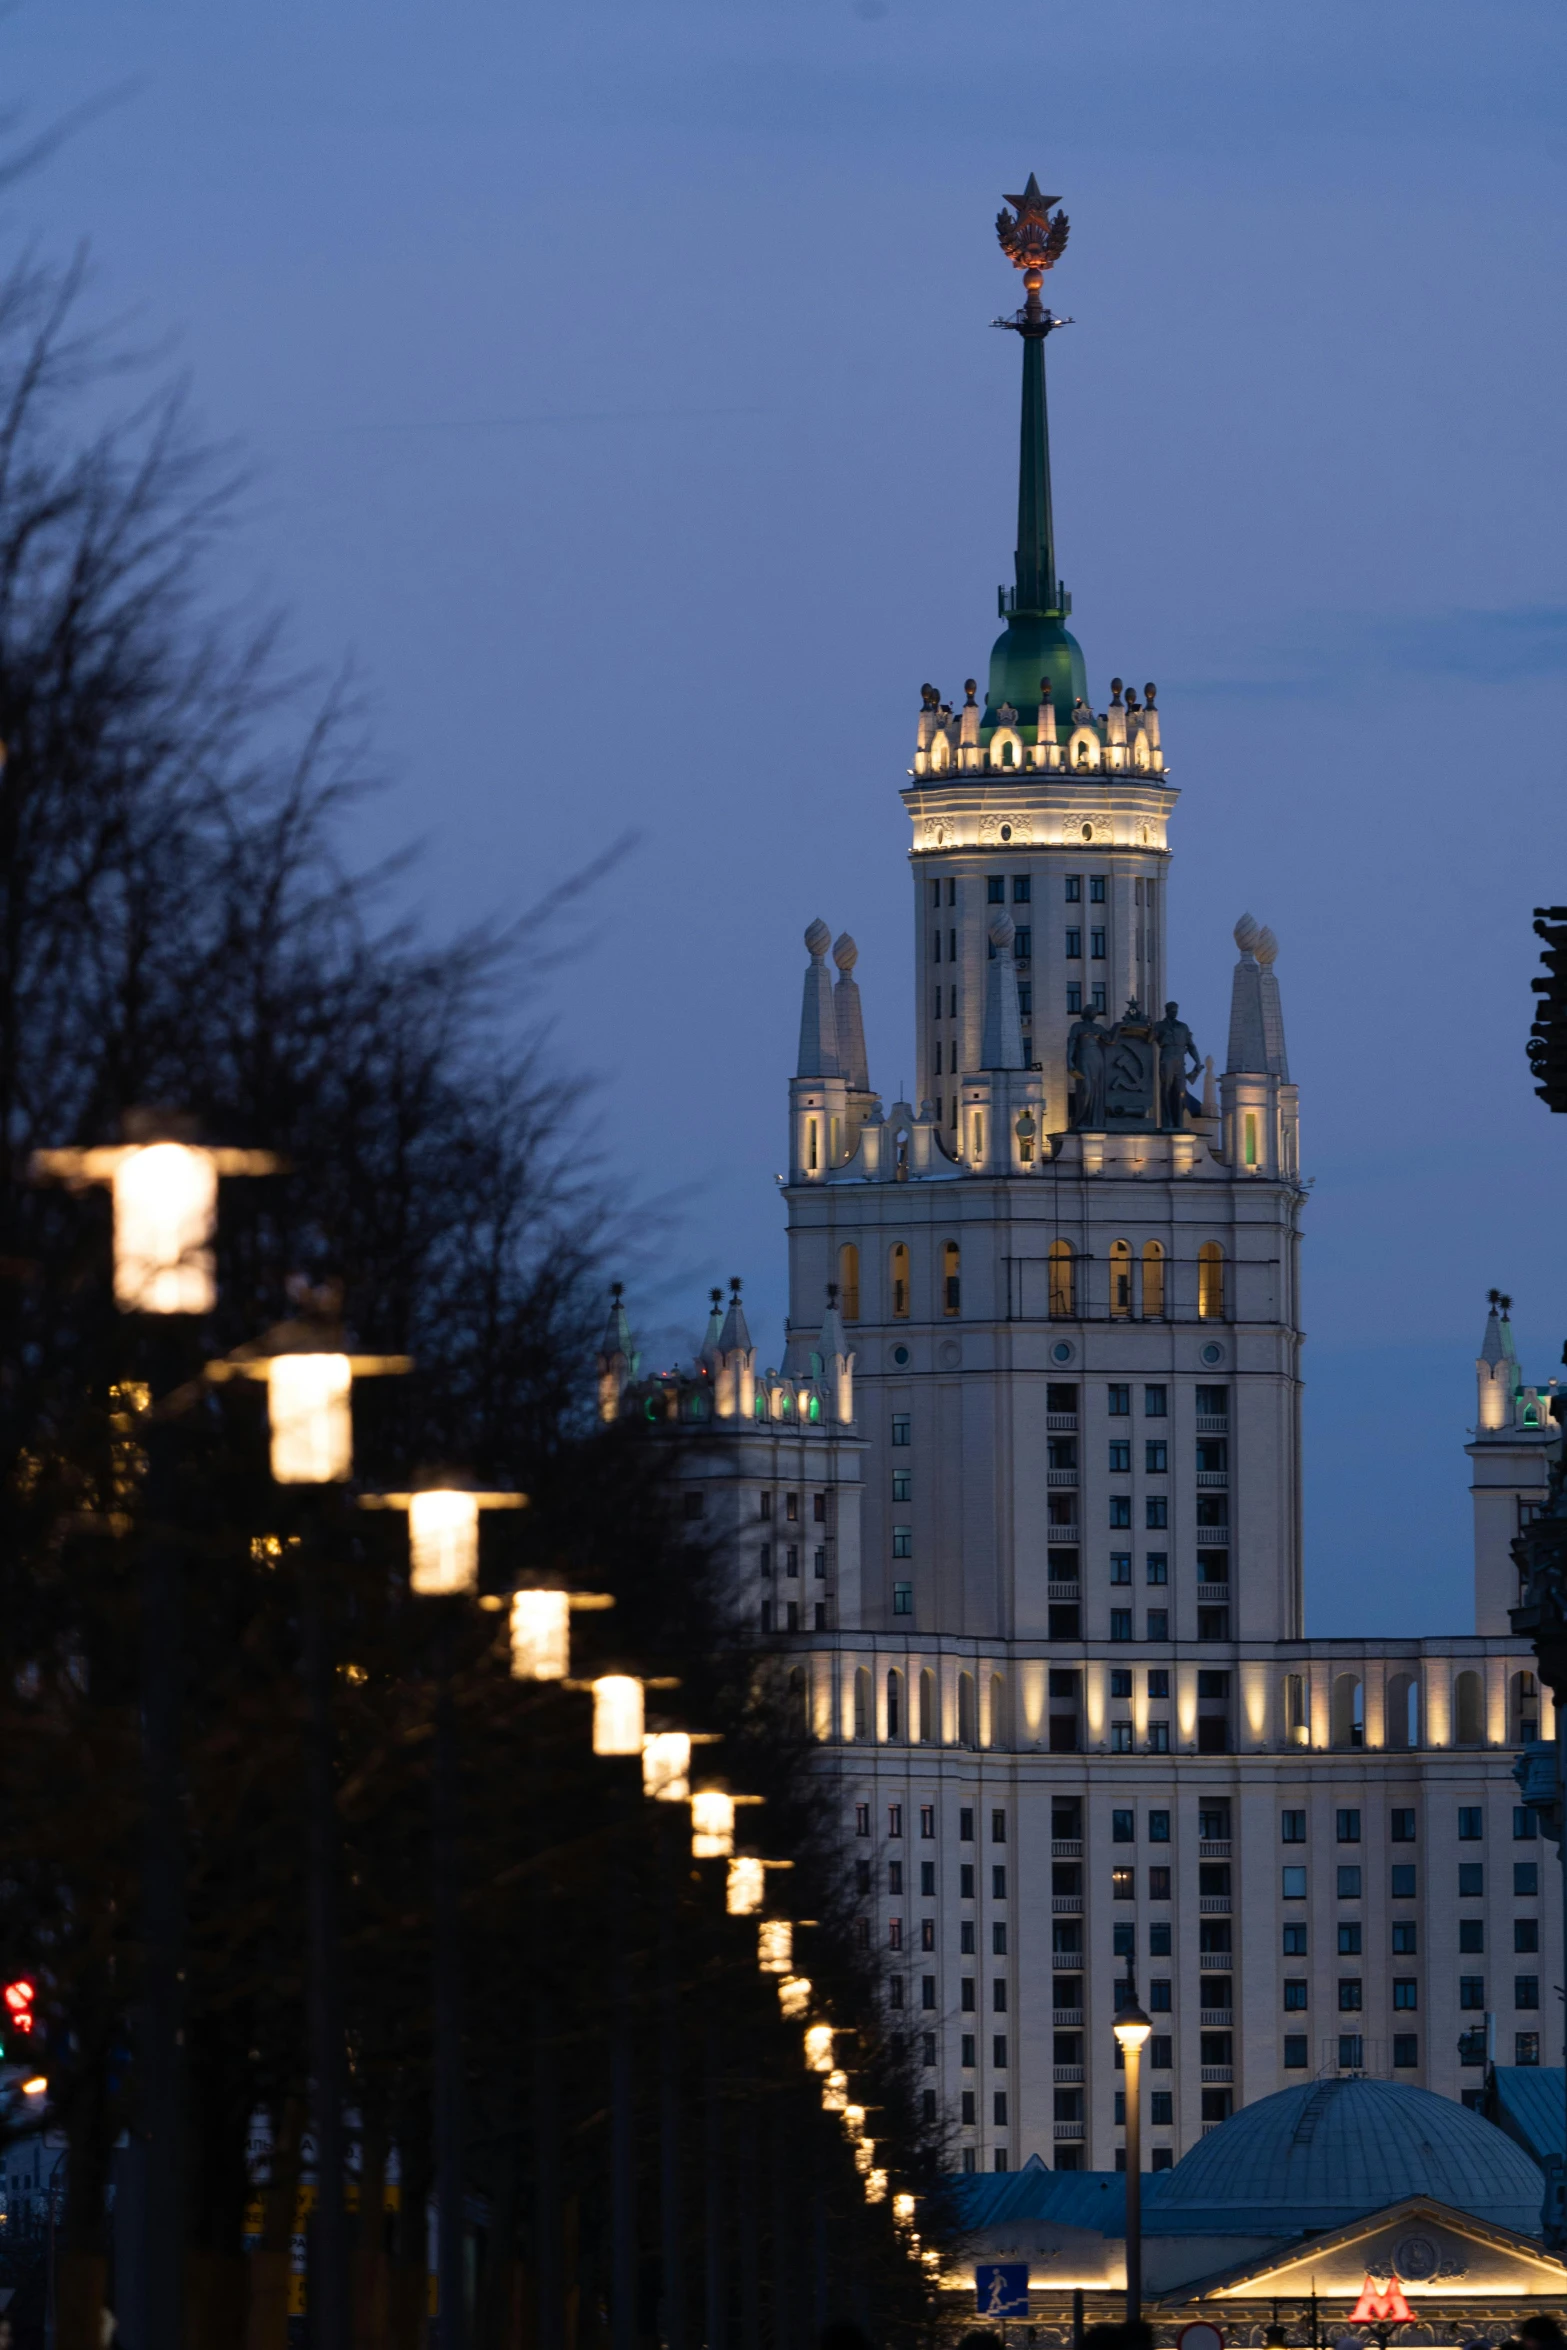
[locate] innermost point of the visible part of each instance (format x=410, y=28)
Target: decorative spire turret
x=618, y=1360
x=848, y=1021
x=1036, y=640
x=1002, y=1043
x=818, y=1020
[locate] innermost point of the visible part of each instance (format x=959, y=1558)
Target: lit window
x=1210, y=1281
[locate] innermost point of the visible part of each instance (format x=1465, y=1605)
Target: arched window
x=1297, y=1730
x=968, y=1727
x=898, y=1272
x=951, y=1286
x=1120, y=1278
x=1401, y=1726
x=813, y=1408
x=862, y=1702
x=1210, y=1281
x=1063, y=1281
x=1153, y=1281
x=1349, y=1716
x=1468, y=1711
x=927, y=1720
x=895, y=1705
x=1524, y=1709
x=1000, y=1731
x=849, y=1281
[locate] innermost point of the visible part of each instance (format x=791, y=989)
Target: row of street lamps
x=165, y=1193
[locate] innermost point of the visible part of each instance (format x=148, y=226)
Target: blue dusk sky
x=619, y=386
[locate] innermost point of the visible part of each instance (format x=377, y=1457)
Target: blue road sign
x=1001, y=2288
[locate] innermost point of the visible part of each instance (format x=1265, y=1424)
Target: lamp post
x=1132, y=2027
x=309, y=1377
x=165, y=1193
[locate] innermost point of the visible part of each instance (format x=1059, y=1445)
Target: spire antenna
x=1033, y=238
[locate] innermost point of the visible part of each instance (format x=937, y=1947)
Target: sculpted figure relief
x=1085, y=1057
x=1176, y=1050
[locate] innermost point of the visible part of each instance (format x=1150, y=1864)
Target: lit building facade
x=1023, y=1502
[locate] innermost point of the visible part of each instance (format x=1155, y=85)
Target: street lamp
x=165, y=1215
x=443, y=1530
x=1131, y=2028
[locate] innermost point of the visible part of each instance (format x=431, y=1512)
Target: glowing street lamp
x=666, y=1766
x=775, y=1946
x=835, y=2089
x=903, y=2210
x=818, y=2052
x=443, y=1531
x=309, y=1387
x=165, y=1215
x=617, y=1714
x=876, y=2186
x=794, y=1997
x=541, y=1630
x=1131, y=2028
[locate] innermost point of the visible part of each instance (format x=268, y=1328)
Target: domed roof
x=1333, y=2149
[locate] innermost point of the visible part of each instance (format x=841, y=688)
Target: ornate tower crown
x=1030, y=239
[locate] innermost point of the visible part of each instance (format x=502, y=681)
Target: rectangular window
x=1526, y=2048
x=1405, y=1938
x=1471, y=1991
x=1074, y=996
x=1292, y=1827
x=1158, y=1737
x=966, y=1997
x=998, y=1941
x=1403, y=1880
x=1294, y=1884
x=998, y=1882
x=1096, y=946
x=900, y=1427
x=1074, y=946
x=995, y=889
x=1526, y=1990
x=965, y=1825
x=862, y=1819
x=1159, y=1827
x=1158, y=1680
x=1156, y=1507
x=1096, y=889
x=928, y=1829
x=895, y=1933
x=966, y=1874
x=1405, y=1991
x=903, y=1484
x=1022, y=889
x=1074, y=889
x=1471, y=1823
x=1471, y=1879
x=1063, y=1621
x=1158, y=1566
x=1159, y=1890
x=1159, y=1629
x=765, y=1558
x=792, y=1560
x=966, y=2107
x=1471, y=1936
x=1023, y=944
x=1294, y=1941
x=1406, y=2051
x=1120, y=1566
x=1156, y=1402
x=1025, y=999
x=1526, y=1822
x=998, y=1995
x=903, y=1542
x=1349, y=1827
x=895, y=1876
x=1159, y=1996
x=1120, y=1459
x=1295, y=2052
x=1349, y=1884
x=935, y=893
x=1526, y=1876
x=819, y=1565
x=903, y=1599
x=1403, y=1827
x=1120, y=1623
x=1123, y=1887
x=1294, y=1994
x=1120, y=1510
x=1156, y=1457
x=1119, y=1401
x=1348, y=1994
x=1123, y=1827
x=998, y=1827
x=895, y=1819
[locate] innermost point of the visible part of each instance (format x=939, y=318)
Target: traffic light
x=18, y=1998
x=1548, y=1036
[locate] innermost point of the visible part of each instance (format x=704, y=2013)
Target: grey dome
x=1331, y=2150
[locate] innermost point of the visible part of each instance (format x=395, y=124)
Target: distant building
x=1023, y=1500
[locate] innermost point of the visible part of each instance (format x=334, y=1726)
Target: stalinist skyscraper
x=1022, y=1501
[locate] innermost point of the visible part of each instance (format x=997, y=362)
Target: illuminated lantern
x=903, y=2210
x=794, y=1996
x=818, y=2053
x=854, y=2119
x=443, y=1542
x=540, y=1635
x=864, y=2154
x=311, y=1420
x=666, y=1766
x=617, y=1714
x=876, y=2186
x=775, y=1946
x=165, y=1216
x=712, y=1825
x=747, y=1888
x=835, y=2089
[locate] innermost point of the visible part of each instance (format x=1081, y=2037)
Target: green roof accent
x=1036, y=642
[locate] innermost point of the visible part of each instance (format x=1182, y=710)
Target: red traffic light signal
x=19, y=1997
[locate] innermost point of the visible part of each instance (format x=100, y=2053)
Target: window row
x=1403, y=1824
x=788, y=1561
x=1150, y=1300
x=927, y=1826
x=1352, y=2052
x=1212, y=1405
x=790, y=1615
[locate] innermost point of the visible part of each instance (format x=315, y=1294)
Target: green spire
x=1036, y=645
